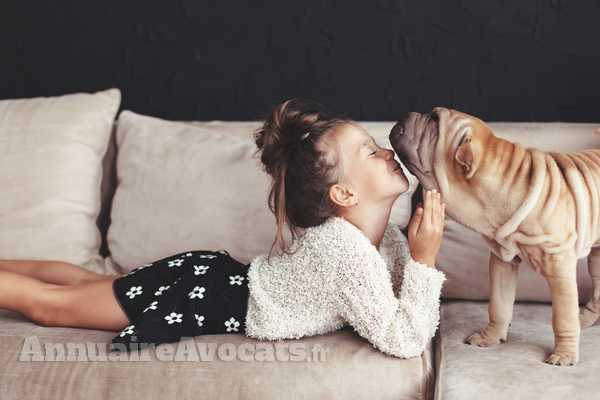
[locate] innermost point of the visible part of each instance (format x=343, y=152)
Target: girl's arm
x=399, y=326
x=425, y=230
x=401, y=323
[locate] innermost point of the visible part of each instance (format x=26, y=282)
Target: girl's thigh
x=90, y=305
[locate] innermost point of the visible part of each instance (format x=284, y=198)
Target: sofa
x=112, y=191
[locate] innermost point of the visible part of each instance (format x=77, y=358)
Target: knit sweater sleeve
x=396, y=251
x=399, y=325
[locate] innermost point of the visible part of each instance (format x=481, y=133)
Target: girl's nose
x=388, y=154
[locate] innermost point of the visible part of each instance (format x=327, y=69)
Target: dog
x=539, y=208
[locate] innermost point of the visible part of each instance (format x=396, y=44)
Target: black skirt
x=185, y=295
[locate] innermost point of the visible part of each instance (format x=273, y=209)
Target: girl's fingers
x=438, y=209
x=427, y=207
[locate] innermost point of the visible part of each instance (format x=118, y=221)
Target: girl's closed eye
x=373, y=153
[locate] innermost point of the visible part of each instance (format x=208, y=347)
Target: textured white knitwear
x=337, y=277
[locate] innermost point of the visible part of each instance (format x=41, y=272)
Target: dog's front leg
x=503, y=285
x=560, y=272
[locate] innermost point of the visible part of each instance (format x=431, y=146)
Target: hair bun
x=296, y=152
x=288, y=124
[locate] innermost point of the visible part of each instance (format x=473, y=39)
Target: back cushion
x=463, y=255
x=192, y=186
x=51, y=153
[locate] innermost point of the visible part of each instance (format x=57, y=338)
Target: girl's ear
x=341, y=196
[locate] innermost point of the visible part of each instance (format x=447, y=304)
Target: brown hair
x=298, y=150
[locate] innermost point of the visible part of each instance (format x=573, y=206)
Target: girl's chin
x=403, y=188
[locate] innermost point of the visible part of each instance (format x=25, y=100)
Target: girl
x=334, y=188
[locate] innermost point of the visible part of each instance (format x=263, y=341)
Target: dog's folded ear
x=466, y=156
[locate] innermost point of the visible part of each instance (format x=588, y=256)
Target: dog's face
x=447, y=151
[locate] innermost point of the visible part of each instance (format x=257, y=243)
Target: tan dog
x=539, y=208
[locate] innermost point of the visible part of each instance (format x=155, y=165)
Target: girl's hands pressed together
x=426, y=229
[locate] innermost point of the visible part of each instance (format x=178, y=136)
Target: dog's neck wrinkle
x=513, y=164
x=528, y=170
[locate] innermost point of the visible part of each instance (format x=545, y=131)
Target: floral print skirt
x=185, y=295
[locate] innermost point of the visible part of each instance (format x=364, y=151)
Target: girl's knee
x=46, y=310
x=42, y=316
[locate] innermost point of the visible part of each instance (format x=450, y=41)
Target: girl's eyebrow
x=361, y=147
x=367, y=142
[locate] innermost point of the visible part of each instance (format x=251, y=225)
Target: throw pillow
x=51, y=153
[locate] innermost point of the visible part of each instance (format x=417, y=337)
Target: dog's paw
x=483, y=340
x=562, y=359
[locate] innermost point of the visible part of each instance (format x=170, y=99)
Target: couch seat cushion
x=514, y=369
x=350, y=368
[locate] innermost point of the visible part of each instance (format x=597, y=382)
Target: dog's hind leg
x=591, y=312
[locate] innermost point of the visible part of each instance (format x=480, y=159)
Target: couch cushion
x=348, y=367
x=51, y=153
x=192, y=186
x=463, y=255
x=514, y=369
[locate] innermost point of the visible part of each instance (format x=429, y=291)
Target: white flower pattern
x=174, y=317
x=232, y=325
x=134, y=291
x=127, y=331
x=197, y=292
x=175, y=263
x=152, y=306
x=161, y=290
x=200, y=269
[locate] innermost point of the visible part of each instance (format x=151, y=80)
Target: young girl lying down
x=334, y=188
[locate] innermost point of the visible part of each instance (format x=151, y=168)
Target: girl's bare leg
x=88, y=305
x=57, y=272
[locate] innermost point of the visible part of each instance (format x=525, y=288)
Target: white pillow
x=51, y=153
x=190, y=186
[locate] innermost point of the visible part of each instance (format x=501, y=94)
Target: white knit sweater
x=337, y=277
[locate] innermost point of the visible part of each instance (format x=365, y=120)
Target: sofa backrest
x=145, y=155
x=463, y=255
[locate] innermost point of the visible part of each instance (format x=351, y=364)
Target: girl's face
x=369, y=170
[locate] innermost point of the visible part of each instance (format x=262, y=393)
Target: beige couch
x=113, y=195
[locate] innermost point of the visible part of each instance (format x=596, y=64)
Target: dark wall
x=511, y=60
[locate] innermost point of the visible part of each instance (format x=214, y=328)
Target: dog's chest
x=507, y=250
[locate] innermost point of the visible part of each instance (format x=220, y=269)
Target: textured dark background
x=512, y=60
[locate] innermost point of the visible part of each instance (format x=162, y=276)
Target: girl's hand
x=426, y=229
